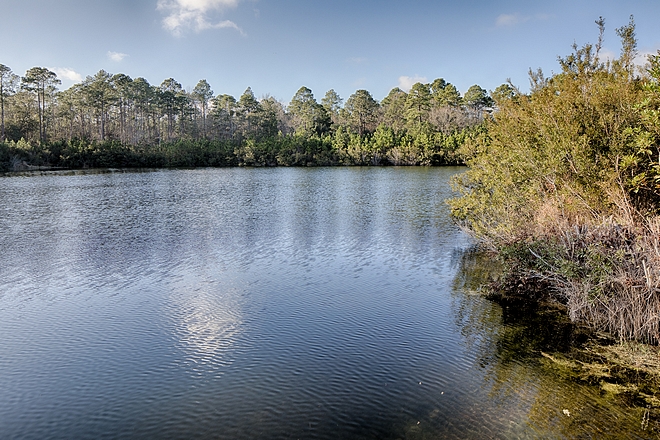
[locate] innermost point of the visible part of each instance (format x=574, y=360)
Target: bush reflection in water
x=278, y=303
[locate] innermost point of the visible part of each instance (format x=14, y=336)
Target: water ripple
x=237, y=303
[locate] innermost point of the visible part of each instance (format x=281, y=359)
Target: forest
x=113, y=120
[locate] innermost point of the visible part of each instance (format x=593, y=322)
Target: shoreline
x=49, y=170
x=626, y=370
x=580, y=353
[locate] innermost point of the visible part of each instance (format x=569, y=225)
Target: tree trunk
x=2, y=113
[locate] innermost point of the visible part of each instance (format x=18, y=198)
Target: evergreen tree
x=42, y=82
x=8, y=84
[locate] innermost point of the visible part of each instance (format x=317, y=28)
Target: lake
x=265, y=303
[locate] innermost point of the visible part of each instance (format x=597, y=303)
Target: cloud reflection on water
x=207, y=320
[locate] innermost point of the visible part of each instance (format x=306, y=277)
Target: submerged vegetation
x=115, y=121
x=564, y=185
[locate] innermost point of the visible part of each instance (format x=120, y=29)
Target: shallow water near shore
x=267, y=303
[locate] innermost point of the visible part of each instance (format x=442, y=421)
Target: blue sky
x=277, y=46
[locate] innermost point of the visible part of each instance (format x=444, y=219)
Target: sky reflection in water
x=251, y=303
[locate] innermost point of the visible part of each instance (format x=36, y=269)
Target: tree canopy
x=424, y=126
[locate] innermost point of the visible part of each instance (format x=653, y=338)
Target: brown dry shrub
x=606, y=273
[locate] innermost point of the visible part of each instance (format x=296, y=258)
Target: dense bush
x=383, y=147
x=564, y=184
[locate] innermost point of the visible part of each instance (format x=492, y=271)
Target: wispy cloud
x=356, y=60
x=116, y=56
x=195, y=15
x=510, y=20
x=66, y=73
x=226, y=24
x=406, y=82
x=359, y=82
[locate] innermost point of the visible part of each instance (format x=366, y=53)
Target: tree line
x=115, y=120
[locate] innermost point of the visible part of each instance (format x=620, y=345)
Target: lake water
x=265, y=303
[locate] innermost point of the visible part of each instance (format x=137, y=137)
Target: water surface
x=263, y=303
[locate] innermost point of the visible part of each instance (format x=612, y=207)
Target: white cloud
x=356, y=60
x=194, y=14
x=116, y=56
x=67, y=73
x=607, y=55
x=508, y=20
x=642, y=57
x=406, y=82
x=227, y=24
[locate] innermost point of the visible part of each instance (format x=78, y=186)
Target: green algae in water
x=552, y=378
